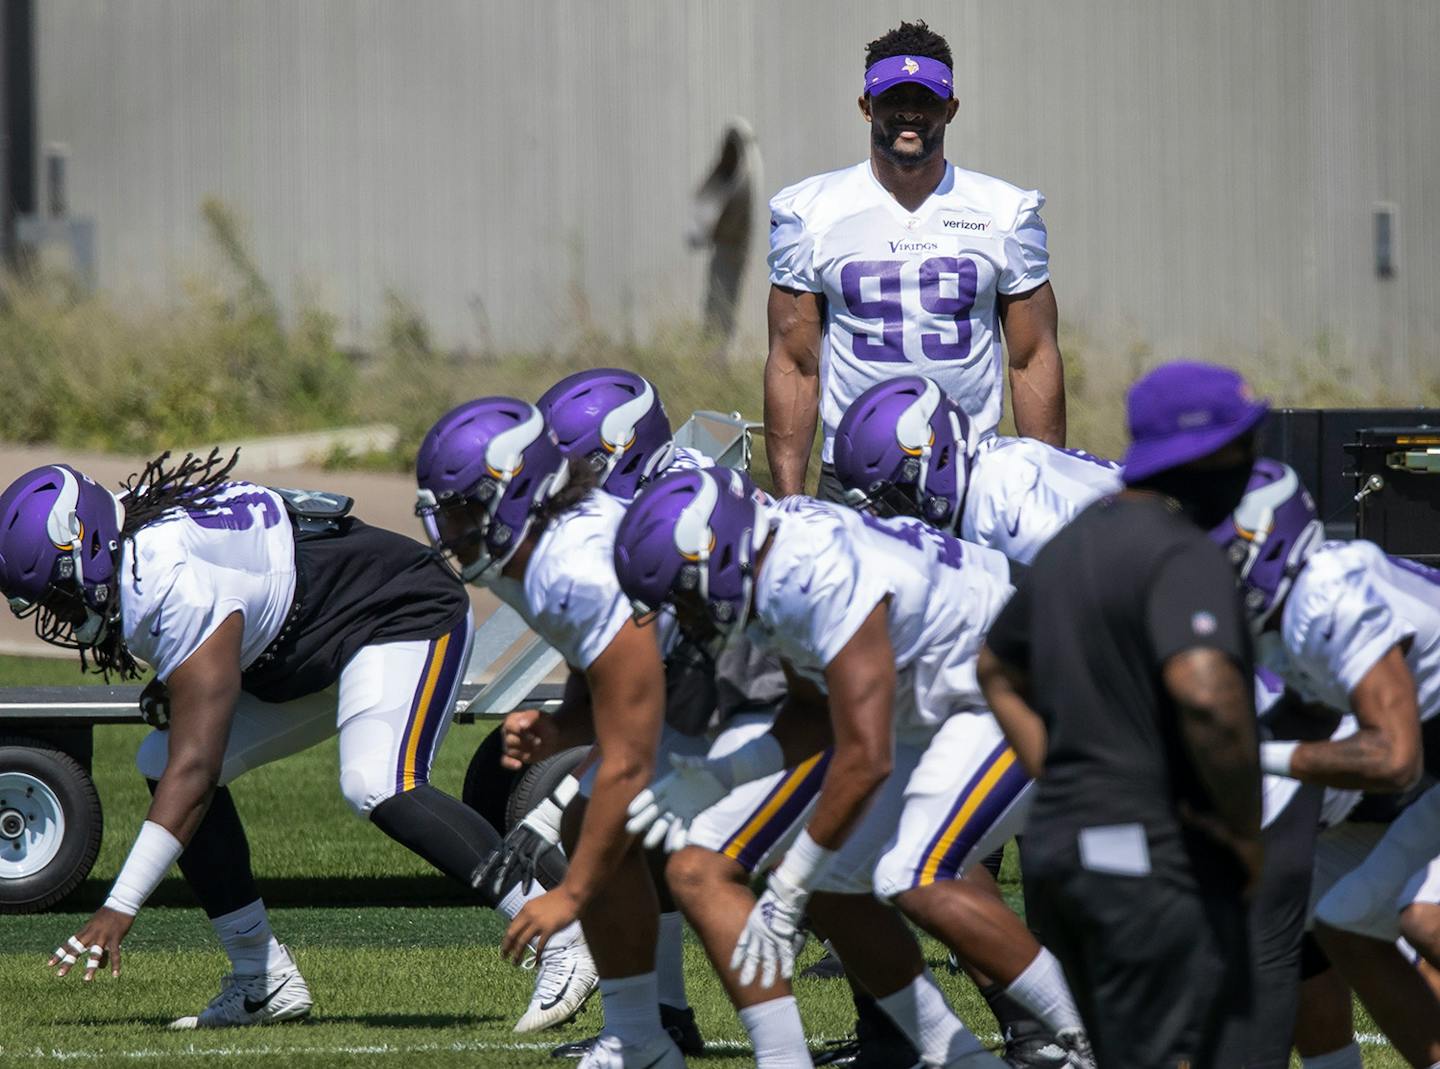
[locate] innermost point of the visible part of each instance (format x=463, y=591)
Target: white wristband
x=805, y=862
x=155, y=850
x=757, y=759
x=1275, y=758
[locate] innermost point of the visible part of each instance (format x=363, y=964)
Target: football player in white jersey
x=501, y=501
x=906, y=263
x=273, y=620
x=1347, y=626
x=905, y=448
x=612, y=421
x=886, y=618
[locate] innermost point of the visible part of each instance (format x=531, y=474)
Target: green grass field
x=400, y=965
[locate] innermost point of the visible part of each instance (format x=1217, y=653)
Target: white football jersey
x=569, y=595
x=909, y=293
x=184, y=574
x=1348, y=606
x=829, y=566
x=1023, y=491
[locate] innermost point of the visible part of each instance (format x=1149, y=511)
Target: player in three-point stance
x=501, y=501
x=1351, y=628
x=885, y=617
x=273, y=620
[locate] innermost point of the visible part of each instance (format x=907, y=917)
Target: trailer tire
x=538, y=780
x=50, y=824
x=488, y=784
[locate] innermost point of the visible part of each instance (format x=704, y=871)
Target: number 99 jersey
x=909, y=292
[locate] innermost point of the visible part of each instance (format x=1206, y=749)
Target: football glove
x=530, y=842
x=664, y=811
x=773, y=935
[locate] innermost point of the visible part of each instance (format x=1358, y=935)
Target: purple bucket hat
x=931, y=73
x=1183, y=411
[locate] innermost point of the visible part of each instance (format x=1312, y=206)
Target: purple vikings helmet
x=614, y=420
x=693, y=533
x=1269, y=536
x=482, y=472
x=903, y=448
x=59, y=552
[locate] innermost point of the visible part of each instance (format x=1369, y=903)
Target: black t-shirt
x=1126, y=586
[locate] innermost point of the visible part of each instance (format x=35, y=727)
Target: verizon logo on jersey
x=966, y=222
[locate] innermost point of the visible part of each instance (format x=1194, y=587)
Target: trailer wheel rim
x=44, y=825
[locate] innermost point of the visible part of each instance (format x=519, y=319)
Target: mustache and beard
x=884, y=135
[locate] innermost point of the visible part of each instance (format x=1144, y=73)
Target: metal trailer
x=51, y=819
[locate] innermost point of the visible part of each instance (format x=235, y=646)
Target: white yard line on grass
x=54, y=1054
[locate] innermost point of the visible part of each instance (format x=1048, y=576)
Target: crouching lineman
x=1350, y=627
x=501, y=502
x=904, y=448
x=273, y=621
x=874, y=613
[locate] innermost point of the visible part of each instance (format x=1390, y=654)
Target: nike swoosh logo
x=252, y=1006
x=563, y=988
x=155, y=627
x=1014, y=525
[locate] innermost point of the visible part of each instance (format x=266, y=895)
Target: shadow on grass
x=313, y=891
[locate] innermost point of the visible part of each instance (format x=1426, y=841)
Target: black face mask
x=1207, y=497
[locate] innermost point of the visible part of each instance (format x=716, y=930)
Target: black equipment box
x=1397, y=477
x=1336, y=451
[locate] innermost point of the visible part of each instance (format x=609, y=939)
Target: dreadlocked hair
x=582, y=479
x=909, y=39
x=148, y=495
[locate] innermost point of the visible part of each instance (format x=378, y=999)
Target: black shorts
x=355, y=587
x=1159, y=970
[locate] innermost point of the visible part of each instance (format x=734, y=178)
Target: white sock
x=246, y=936
x=776, y=1034
x=1042, y=990
x=920, y=1011
x=632, y=1007
x=1344, y=1058
x=515, y=898
x=670, y=960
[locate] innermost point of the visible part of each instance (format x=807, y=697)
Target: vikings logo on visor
x=890, y=72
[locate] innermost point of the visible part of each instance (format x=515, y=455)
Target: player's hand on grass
x=94, y=944
x=537, y=921
x=663, y=812
x=529, y=736
x=772, y=935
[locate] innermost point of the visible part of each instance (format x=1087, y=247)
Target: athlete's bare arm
x=792, y=384
x=1385, y=754
x=1217, y=723
x=1006, y=689
x=861, y=682
x=203, y=691
x=627, y=690
x=1037, y=372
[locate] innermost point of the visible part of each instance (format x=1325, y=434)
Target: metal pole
x=17, y=120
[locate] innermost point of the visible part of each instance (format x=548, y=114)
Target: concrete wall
x=1211, y=167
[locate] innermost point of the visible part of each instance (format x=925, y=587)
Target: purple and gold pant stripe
x=430, y=706
x=779, y=809
x=991, y=791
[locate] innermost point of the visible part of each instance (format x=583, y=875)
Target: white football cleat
x=564, y=978
x=251, y=998
x=657, y=1053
